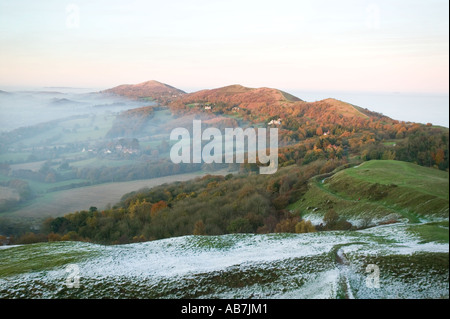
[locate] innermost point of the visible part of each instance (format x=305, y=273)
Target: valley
x=356, y=194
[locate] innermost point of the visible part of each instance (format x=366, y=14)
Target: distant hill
x=262, y=102
x=151, y=90
x=64, y=101
x=241, y=96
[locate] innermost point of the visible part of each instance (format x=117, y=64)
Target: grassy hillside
x=386, y=190
x=314, y=265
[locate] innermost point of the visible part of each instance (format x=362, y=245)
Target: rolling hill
x=242, y=96
x=320, y=265
x=260, y=102
x=151, y=90
x=378, y=192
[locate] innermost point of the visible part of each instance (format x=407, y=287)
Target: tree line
x=210, y=205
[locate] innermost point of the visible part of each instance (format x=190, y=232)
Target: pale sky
x=349, y=45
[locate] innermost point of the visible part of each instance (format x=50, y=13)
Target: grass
x=38, y=257
x=19, y=157
x=419, y=178
x=431, y=232
x=377, y=189
x=209, y=242
x=41, y=187
x=408, y=266
x=132, y=271
x=96, y=162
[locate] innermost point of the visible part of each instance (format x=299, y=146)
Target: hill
x=240, y=95
x=256, y=105
x=298, y=266
x=150, y=90
x=377, y=192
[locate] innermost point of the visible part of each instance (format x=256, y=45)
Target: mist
x=26, y=108
x=65, y=149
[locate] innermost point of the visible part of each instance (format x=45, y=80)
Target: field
x=58, y=161
x=66, y=201
x=378, y=191
x=306, y=266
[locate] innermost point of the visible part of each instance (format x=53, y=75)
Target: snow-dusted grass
x=231, y=266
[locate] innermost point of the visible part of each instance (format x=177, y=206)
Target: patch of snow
x=8, y=246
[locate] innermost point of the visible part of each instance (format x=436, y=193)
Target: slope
x=378, y=191
x=304, y=266
x=150, y=90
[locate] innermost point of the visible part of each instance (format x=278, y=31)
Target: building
x=275, y=122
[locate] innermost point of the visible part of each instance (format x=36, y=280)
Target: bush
x=287, y=225
x=304, y=226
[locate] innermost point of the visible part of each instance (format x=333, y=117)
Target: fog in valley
x=26, y=108
x=56, y=140
x=65, y=150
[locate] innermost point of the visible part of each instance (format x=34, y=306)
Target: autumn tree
x=331, y=218
x=304, y=226
x=157, y=207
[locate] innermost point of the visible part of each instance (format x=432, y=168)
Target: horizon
x=312, y=45
x=401, y=106
x=322, y=48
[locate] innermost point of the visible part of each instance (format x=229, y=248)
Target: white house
x=275, y=122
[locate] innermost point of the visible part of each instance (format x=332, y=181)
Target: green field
x=384, y=190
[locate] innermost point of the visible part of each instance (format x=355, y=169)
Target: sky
x=347, y=45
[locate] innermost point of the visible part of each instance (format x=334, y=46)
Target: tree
x=199, y=228
x=157, y=207
x=304, y=226
x=240, y=225
x=319, y=131
x=330, y=219
x=287, y=225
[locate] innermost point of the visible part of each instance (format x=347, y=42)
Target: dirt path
x=343, y=266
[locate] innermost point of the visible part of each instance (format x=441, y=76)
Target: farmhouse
x=275, y=122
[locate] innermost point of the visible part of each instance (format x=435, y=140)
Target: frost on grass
x=233, y=266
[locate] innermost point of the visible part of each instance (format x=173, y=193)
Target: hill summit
x=240, y=95
x=153, y=90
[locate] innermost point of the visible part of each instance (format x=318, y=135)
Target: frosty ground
x=306, y=266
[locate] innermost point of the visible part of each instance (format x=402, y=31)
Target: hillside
x=378, y=191
x=299, y=266
x=254, y=105
x=150, y=90
x=294, y=116
x=240, y=95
